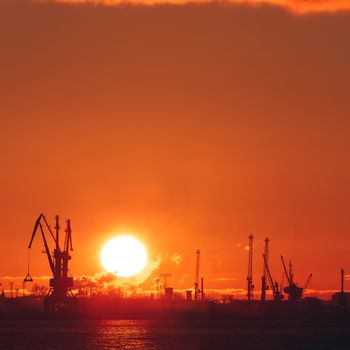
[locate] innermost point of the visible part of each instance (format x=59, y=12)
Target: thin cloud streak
x=294, y=6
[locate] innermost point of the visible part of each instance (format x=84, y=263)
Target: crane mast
x=250, y=269
x=59, y=297
x=291, y=275
x=197, y=290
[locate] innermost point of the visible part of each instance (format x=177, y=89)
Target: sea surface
x=172, y=334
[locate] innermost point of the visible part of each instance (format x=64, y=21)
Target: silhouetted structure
x=59, y=297
x=250, y=269
x=264, y=285
x=28, y=277
x=277, y=294
x=197, y=291
x=341, y=298
x=294, y=292
x=168, y=291
x=307, y=283
x=165, y=277
x=11, y=289
x=202, y=289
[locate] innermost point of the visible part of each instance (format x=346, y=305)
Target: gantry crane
x=294, y=292
x=59, y=297
x=277, y=294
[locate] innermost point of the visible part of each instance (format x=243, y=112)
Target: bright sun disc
x=124, y=256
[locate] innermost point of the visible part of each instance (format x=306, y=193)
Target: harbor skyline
x=185, y=126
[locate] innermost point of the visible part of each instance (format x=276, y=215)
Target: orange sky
x=190, y=126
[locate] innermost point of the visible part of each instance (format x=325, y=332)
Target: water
x=168, y=335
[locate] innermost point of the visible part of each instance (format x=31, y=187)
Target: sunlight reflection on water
x=123, y=335
x=161, y=334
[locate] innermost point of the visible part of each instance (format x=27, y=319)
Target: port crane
x=277, y=294
x=60, y=296
x=294, y=292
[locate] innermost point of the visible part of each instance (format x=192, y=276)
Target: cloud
x=176, y=258
x=152, y=266
x=219, y=293
x=243, y=246
x=173, y=258
x=107, y=283
x=225, y=279
x=99, y=283
x=295, y=6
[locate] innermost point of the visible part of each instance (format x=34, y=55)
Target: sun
x=124, y=256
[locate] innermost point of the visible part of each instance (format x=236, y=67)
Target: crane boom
x=308, y=281
x=47, y=250
x=276, y=293
x=286, y=272
x=48, y=227
x=37, y=223
x=264, y=285
x=268, y=272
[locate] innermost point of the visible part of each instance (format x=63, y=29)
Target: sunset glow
x=124, y=256
x=295, y=6
x=186, y=137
